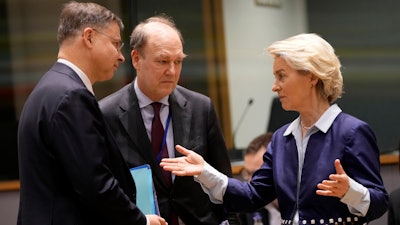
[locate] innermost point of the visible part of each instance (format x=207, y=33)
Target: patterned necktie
x=157, y=136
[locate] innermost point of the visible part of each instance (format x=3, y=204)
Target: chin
x=286, y=108
x=168, y=88
x=106, y=78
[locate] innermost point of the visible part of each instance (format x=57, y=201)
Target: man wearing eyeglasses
x=71, y=170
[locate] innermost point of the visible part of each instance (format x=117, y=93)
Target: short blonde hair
x=311, y=53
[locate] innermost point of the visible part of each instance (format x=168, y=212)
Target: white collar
x=80, y=73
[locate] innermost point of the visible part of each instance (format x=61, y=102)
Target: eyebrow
x=279, y=70
x=163, y=55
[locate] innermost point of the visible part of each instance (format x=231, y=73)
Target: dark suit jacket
x=394, y=208
x=195, y=126
x=71, y=170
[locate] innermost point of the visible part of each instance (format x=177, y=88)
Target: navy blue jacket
x=348, y=139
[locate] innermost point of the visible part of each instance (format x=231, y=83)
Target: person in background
x=185, y=117
x=71, y=171
x=323, y=167
x=253, y=159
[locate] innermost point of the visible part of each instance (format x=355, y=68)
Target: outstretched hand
x=188, y=165
x=337, y=185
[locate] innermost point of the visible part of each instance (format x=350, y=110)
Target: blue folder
x=146, y=199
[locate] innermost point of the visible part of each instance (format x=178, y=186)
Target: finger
x=182, y=150
x=170, y=166
x=169, y=160
x=167, y=167
x=337, y=177
x=330, y=183
x=324, y=189
x=323, y=186
x=324, y=192
x=334, y=192
x=166, y=164
x=178, y=171
x=338, y=167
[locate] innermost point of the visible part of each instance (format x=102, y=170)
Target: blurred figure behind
x=253, y=159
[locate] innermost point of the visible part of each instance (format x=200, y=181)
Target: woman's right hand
x=191, y=164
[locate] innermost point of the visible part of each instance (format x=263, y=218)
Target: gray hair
x=77, y=16
x=139, y=35
x=311, y=53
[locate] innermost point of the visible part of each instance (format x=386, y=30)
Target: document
x=146, y=199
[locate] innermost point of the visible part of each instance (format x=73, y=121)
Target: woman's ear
x=314, y=80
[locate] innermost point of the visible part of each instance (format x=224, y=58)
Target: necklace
x=304, y=127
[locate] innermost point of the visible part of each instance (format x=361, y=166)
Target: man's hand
x=156, y=220
x=188, y=165
x=337, y=185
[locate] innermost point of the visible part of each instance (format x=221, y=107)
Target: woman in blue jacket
x=323, y=167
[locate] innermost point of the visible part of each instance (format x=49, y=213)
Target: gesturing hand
x=337, y=185
x=188, y=165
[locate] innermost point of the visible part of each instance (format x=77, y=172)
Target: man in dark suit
x=71, y=170
x=188, y=118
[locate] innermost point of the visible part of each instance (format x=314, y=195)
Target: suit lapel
x=181, y=114
x=132, y=121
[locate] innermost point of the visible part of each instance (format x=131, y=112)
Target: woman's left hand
x=337, y=185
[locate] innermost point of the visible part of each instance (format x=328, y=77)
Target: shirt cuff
x=213, y=182
x=357, y=198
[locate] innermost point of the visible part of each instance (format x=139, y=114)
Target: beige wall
x=249, y=29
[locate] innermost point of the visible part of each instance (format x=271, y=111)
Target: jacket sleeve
x=362, y=164
x=79, y=137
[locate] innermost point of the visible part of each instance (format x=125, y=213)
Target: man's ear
x=135, y=55
x=87, y=37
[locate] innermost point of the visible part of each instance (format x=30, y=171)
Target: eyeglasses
x=118, y=43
